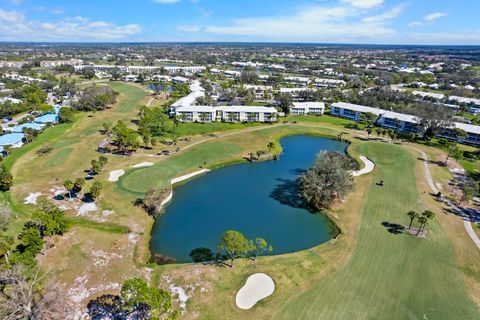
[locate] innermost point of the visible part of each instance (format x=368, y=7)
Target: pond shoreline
x=335, y=230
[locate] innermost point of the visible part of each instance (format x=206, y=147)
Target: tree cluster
x=235, y=245
x=47, y=220
x=327, y=180
x=96, y=98
x=137, y=301
x=125, y=138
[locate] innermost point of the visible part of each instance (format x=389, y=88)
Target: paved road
x=465, y=214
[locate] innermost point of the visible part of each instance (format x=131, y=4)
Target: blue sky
x=331, y=21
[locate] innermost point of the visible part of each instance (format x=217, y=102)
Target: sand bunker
x=258, y=287
x=115, y=174
x=32, y=198
x=143, y=164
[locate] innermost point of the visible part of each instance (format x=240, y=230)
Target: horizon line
x=237, y=42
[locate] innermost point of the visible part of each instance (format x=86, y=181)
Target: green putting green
x=390, y=276
x=139, y=181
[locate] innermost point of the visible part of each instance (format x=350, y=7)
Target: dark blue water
x=253, y=198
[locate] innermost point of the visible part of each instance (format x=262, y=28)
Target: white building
x=301, y=108
x=196, y=113
x=196, y=91
x=142, y=69
x=232, y=74
x=463, y=100
x=301, y=81
x=130, y=78
x=179, y=79
x=12, y=64
x=398, y=121
x=247, y=114
x=472, y=131
x=12, y=100
x=58, y=63
x=352, y=111
x=161, y=78
x=226, y=113
x=429, y=95
x=324, y=82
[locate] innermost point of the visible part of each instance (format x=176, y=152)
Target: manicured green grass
x=59, y=157
x=322, y=119
x=390, y=276
x=139, y=181
x=46, y=136
x=130, y=96
x=189, y=129
x=101, y=226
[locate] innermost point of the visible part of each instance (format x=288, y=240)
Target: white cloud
x=10, y=16
x=166, y=1
x=363, y=4
x=57, y=10
x=15, y=26
x=387, y=15
x=434, y=16
x=16, y=2
x=428, y=19
x=315, y=24
x=189, y=28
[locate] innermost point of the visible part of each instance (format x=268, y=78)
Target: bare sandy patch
x=32, y=198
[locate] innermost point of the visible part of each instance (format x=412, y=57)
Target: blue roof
x=47, y=118
x=10, y=139
x=31, y=125
x=57, y=108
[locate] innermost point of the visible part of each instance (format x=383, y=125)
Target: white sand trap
x=86, y=208
x=369, y=166
x=258, y=287
x=143, y=164
x=32, y=198
x=115, y=174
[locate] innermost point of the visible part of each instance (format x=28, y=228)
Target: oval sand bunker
x=258, y=287
x=115, y=175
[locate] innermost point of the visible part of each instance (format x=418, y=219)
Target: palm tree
x=428, y=214
x=413, y=215
x=270, y=146
x=423, y=221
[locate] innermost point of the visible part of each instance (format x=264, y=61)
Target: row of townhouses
x=402, y=122
x=193, y=113
x=142, y=69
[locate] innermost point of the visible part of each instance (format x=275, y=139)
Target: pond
x=257, y=199
x=161, y=87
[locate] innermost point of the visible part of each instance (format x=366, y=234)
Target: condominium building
x=302, y=108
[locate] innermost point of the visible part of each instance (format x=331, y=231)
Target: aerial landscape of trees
x=95, y=98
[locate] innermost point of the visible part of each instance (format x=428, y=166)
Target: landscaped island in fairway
x=258, y=199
